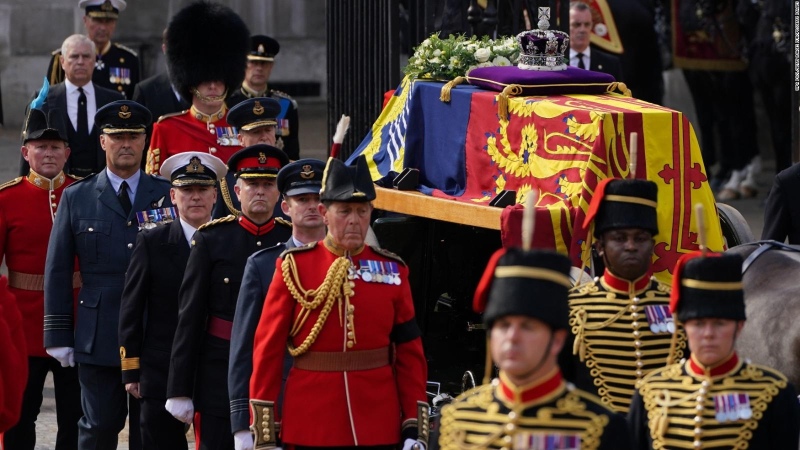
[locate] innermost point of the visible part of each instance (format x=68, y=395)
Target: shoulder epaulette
x=167, y=116
x=284, y=222
x=388, y=254
x=299, y=249
x=764, y=369
x=579, y=288
x=56, y=52
x=74, y=177
x=159, y=178
x=81, y=180
x=282, y=94
x=127, y=49
x=228, y=218
x=10, y=183
x=663, y=287
x=585, y=395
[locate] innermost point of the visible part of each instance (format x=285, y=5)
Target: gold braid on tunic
x=335, y=286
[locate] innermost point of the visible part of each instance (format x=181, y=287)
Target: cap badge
x=260, y=49
x=107, y=7
x=307, y=172
x=123, y=112
x=262, y=158
x=195, y=166
x=258, y=109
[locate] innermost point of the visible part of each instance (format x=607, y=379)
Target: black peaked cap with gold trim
x=206, y=42
x=257, y=161
x=708, y=286
x=44, y=126
x=254, y=112
x=525, y=283
x=263, y=48
x=103, y=9
x=122, y=116
x=342, y=183
x=303, y=176
x=193, y=168
x=623, y=203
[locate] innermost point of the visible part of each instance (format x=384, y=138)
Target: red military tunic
x=341, y=408
x=13, y=359
x=191, y=130
x=27, y=209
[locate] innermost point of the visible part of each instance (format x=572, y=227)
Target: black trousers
x=212, y=432
x=159, y=429
x=68, y=406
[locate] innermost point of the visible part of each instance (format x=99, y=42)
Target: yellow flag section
x=604, y=29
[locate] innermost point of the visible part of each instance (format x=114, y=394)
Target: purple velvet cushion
x=535, y=82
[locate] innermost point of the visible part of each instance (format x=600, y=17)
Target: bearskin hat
x=205, y=42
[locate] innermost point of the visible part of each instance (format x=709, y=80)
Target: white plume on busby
x=206, y=42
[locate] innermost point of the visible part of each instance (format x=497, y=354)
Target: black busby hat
x=193, y=168
x=254, y=112
x=263, y=48
x=303, y=176
x=122, y=116
x=44, y=126
x=103, y=9
x=257, y=161
x=341, y=183
x=620, y=203
x=206, y=42
x=527, y=283
x=707, y=286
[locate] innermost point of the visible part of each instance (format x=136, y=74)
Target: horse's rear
x=772, y=297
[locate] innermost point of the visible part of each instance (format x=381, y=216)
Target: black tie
x=581, y=65
x=124, y=199
x=83, y=120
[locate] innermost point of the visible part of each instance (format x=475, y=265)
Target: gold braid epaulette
x=226, y=196
x=228, y=218
x=10, y=183
x=282, y=221
x=334, y=287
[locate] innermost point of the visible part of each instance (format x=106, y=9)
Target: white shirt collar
x=133, y=182
x=587, y=53
x=188, y=231
x=88, y=88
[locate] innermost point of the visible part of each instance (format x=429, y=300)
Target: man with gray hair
x=79, y=99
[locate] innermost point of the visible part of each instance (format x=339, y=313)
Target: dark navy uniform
x=288, y=128
x=729, y=403
x=207, y=301
x=116, y=68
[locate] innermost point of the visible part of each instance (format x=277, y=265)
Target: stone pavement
x=313, y=115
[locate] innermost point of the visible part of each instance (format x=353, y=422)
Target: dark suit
x=157, y=95
x=80, y=161
x=258, y=273
x=147, y=321
x=601, y=61
x=92, y=225
x=782, y=213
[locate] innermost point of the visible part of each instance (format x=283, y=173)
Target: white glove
x=64, y=355
x=413, y=444
x=243, y=440
x=181, y=408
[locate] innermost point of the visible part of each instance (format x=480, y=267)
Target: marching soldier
x=620, y=322
x=714, y=399
x=255, y=121
x=116, y=66
x=149, y=308
x=198, y=373
x=96, y=222
x=359, y=371
x=260, y=61
x=523, y=297
x=299, y=183
x=205, y=62
x=28, y=206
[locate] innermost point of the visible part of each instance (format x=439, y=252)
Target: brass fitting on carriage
x=264, y=428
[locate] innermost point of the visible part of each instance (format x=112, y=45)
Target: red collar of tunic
x=629, y=287
x=727, y=366
x=540, y=391
x=46, y=183
x=257, y=230
x=339, y=251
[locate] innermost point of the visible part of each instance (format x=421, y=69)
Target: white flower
x=437, y=52
x=501, y=61
x=434, y=60
x=482, y=54
x=485, y=64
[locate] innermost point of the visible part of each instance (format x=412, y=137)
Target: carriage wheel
x=735, y=229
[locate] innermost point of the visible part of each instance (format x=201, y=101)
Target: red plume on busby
x=206, y=42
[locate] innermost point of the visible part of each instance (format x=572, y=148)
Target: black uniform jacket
x=207, y=304
x=149, y=309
